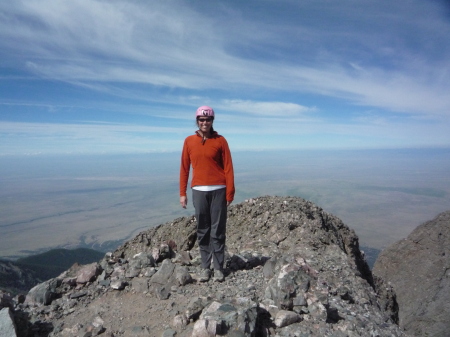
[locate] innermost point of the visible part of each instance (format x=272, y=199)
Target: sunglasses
x=204, y=119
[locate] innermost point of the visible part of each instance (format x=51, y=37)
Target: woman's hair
x=212, y=129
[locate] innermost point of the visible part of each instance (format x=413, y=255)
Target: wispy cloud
x=170, y=44
x=87, y=137
x=257, y=59
x=266, y=109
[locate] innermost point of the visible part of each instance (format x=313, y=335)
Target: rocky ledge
x=292, y=269
x=418, y=268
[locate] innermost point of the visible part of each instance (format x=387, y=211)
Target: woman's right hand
x=183, y=201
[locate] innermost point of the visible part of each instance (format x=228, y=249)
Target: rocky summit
x=418, y=268
x=292, y=269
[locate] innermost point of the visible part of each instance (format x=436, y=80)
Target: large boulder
x=418, y=268
x=88, y=273
x=43, y=293
x=224, y=318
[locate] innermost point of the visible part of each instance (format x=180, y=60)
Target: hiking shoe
x=205, y=275
x=218, y=276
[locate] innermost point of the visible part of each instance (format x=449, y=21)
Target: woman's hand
x=183, y=201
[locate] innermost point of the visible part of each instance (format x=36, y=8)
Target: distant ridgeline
x=20, y=276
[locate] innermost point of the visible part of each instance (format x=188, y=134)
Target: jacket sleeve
x=229, y=171
x=184, y=169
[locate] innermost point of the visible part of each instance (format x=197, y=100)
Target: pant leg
x=211, y=215
x=218, y=211
x=203, y=217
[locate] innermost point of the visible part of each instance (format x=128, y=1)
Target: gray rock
x=118, y=284
x=78, y=294
x=285, y=318
x=269, y=268
x=227, y=317
x=386, y=297
x=143, y=260
x=206, y=328
x=164, y=275
x=118, y=273
x=88, y=273
x=105, y=283
x=43, y=293
x=156, y=254
x=184, y=258
x=417, y=268
x=140, y=284
x=132, y=272
x=70, y=281
x=169, y=333
x=196, y=306
x=165, y=251
x=139, y=331
x=161, y=292
x=180, y=321
x=148, y=271
x=288, y=282
x=182, y=275
x=237, y=262
x=139, y=262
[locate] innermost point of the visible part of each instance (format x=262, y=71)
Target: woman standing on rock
x=212, y=189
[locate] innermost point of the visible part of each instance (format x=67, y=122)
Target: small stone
x=118, y=284
x=285, y=318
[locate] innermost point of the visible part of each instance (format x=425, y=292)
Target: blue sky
x=90, y=76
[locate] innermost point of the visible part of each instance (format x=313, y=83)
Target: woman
x=212, y=189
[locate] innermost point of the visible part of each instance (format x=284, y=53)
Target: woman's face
x=204, y=124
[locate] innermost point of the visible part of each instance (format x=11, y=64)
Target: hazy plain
x=98, y=201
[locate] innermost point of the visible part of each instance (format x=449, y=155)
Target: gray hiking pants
x=211, y=214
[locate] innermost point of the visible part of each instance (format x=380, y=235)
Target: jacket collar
x=213, y=134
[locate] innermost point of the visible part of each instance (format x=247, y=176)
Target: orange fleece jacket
x=211, y=163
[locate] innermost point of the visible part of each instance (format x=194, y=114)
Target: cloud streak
x=297, y=60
